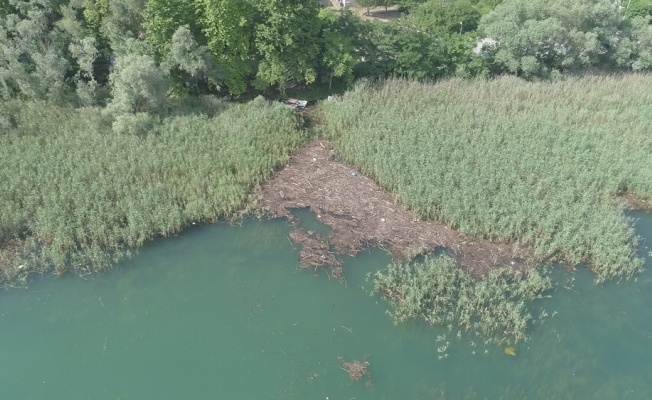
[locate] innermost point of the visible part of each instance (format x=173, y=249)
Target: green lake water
x=221, y=312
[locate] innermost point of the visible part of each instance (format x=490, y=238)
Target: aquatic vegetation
x=81, y=190
x=540, y=165
x=442, y=294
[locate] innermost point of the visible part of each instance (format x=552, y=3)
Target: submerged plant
x=442, y=294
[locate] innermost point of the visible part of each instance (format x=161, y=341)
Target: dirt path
x=361, y=213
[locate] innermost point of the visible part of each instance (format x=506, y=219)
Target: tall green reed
x=532, y=164
x=442, y=294
x=81, y=190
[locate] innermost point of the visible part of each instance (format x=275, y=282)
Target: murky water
x=223, y=313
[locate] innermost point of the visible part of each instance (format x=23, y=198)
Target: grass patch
x=533, y=164
x=80, y=190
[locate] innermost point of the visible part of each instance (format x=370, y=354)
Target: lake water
x=222, y=312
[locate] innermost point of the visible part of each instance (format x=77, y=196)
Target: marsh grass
x=81, y=190
x=532, y=164
x=439, y=292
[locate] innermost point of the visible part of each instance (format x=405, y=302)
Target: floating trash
x=510, y=351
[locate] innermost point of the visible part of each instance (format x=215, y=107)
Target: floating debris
x=295, y=103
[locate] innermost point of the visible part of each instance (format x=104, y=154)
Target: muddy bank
x=360, y=213
x=633, y=202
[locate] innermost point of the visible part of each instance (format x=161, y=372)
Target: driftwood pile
x=361, y=213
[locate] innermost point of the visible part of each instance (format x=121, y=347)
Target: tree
x=338, y=56
x=368, y=3
x=85, y=54
x=540, y=36
x=229, y=27
x=138, y=85
x=446, y=16
x=637, y=8
x=162, y=18
x=486, y=6
x=6, y=8
x=191, y=62
x=33, y=59
x=286, y=42
x=394, y=48
x=635, y=49
x=123, y=21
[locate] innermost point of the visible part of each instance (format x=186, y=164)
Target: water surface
x=222, y=312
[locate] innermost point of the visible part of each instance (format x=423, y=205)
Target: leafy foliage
x=190, y=62
x=442, y=294
x=539, y=38
x=407, y=50
x=635, y=49
x=530, y=164
x=338, y=54
x=285, y=44
x=229, y=30
x=33, y=59
x=139, y=85
x=447, y=16
x=638, y=8
x=163, y=18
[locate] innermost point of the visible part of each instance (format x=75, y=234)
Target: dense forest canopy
x=83, y=51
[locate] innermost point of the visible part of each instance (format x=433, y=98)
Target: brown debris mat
x=356, y=369
x=633, y=202
x=361, y=213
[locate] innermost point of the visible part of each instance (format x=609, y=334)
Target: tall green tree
x=398, y=49
x=162, y=18
x=446, y=16
x=538, y=37
x=33, y=51
x=637, y=8
x=338, y=55
x=486, y=6
x=229, y=29
x=85, y=54
x=123, y=21
x=6, y=8
x=192, y=63
x=285, y=42
x=635, y=49
x=138, y=85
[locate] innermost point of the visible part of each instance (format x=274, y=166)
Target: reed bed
x=442, y=294
x=532, y=164
x=80, y=190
